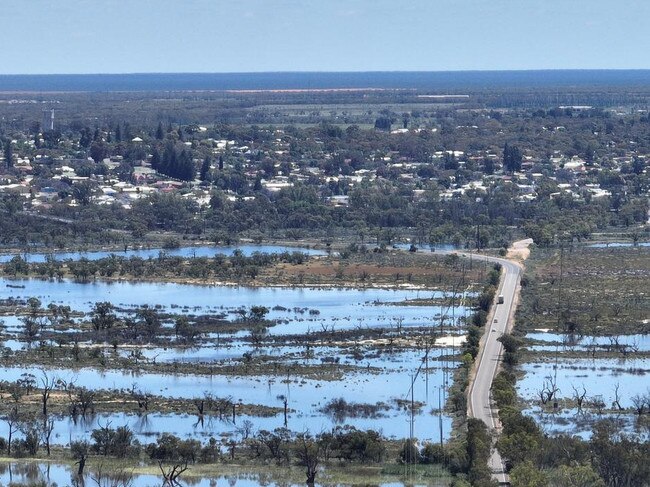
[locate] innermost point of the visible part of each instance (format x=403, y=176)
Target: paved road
x=479, y=400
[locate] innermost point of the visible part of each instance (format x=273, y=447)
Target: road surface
x=479, y=399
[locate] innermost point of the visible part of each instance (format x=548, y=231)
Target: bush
x=349, y=443
x=510, y=345
x=112, y=442
x=478, y=451
x=409, y=453
x=171, y=448
x=493, y=277
x=433, y=453
x=503, y=389
x=171, y=243
x=27, y=446
x=471, y=345
x=486, y=298
x=479, y=318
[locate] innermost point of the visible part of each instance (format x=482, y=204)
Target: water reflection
x=153, y=253
x=34, y=473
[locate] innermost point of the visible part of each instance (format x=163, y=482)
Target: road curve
x=479, y=403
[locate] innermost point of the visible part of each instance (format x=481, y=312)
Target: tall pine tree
x=205, y=169
x=185, y=169
x=512, y=158
x=155, y=159
x=160, y=133
x=8, y=154
x=179, y=165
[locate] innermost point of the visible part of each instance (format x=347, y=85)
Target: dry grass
x=587, y=290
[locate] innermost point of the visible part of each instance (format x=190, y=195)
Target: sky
x=127, y=36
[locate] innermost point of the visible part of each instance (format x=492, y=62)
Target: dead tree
x=548, y=391
x=79, y=450
x=46, y=434
x=13, y=421
x=640, y=402
x=200, y=406
x=222, y=405
x=285, y=402
x=82, y=401
x=86, y=400
x=308, y=454
x=579, y=397
x=171, y=474
x=599, y=404
x=245, y=429
x=116, y=478
x=399, y=322
x=142, y=398
x=48, y=384
x=617, y=398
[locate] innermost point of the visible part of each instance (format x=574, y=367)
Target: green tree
x=160, y=133
x=205, y=169
x=150, y=321
x=527, y=475
x=80, y=451
x=308, y=451
x=82, y=192
x=8, y=154
x=156, y=159
x=103, y=316
x=576, y=476
x=620, y=460
x=108, y=441
x=86, y=137
x=383, y=123
x=257, y=313
x=512, y=158
x=478, y=451
x=98, y=151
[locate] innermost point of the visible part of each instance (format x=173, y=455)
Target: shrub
x=171, y=448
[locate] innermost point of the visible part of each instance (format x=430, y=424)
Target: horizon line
x=398, y=71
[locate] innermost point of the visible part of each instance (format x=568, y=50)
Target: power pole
x=426, y=370
x=440, y=413
x=412, y=408
x=559, y=292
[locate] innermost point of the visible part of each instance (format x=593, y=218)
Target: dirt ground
x=520, y=250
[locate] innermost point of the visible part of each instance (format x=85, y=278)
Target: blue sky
x=120, y=36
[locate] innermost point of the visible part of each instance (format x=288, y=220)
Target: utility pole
x=453, y=306
x=426, y=370
x=412, y=408
x=440, y=413
x=559, y=292
x=559, y=306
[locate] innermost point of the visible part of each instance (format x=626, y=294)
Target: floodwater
x=306, y=397
x=146, y=428
x=53, y=474
x=199, y=251
x=337, y=308
x=618, y=244
x=580, y=423
x=599, y=377
x=638, y=342
x=377, y=376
